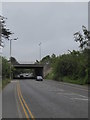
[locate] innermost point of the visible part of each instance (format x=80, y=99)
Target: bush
x=73, y=65
x=5, y=68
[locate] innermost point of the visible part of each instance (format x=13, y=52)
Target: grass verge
x=77, y=81
x=5, y=82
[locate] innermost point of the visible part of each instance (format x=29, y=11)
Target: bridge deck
x=28, y=66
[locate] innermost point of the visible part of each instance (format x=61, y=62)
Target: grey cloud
x=51, y=23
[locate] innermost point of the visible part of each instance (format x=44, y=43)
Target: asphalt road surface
x=44, y=99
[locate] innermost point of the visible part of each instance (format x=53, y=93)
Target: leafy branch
x=83, y=39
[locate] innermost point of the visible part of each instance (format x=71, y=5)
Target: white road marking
x=65, y=93
x=80, y=99
x=76, y=87
x=13, y=81
x=60, y=90
x=72, y=94
x=83, y=96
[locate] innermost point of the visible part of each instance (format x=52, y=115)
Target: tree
x=46, y=60
x=83, y=39
x=53, y=56
x=4, y=31
x=14, y=61
x=5, y=68
x=37, y=62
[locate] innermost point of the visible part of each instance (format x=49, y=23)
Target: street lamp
x=40, y=49
x=11, y=53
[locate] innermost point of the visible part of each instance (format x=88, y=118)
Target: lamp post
x=40, y=49
x=11, y=55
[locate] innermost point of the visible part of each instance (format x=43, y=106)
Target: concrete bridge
x=38, y=68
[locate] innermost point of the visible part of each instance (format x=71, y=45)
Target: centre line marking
x=22, y=104
x=25, y=104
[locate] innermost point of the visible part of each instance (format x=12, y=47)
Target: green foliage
x=72, y=65
x=5, y=72
x=73, y=81
x=5, y=82
x=5, y=32
x=14, y=61
x=5, y=68
x=83, y=39
x=50, y=75
x=46, y=60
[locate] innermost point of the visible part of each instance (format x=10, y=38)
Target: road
x=44, y=99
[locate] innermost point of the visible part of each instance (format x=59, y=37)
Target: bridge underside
x=38, y=68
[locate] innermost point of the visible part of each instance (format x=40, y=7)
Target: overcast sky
x=52, y=24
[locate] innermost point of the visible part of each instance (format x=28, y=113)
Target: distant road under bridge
x=38, y=68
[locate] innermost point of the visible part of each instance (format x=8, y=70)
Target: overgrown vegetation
x=74, y=66
x=5, y=68
x=5, y=72
x=5, y=34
